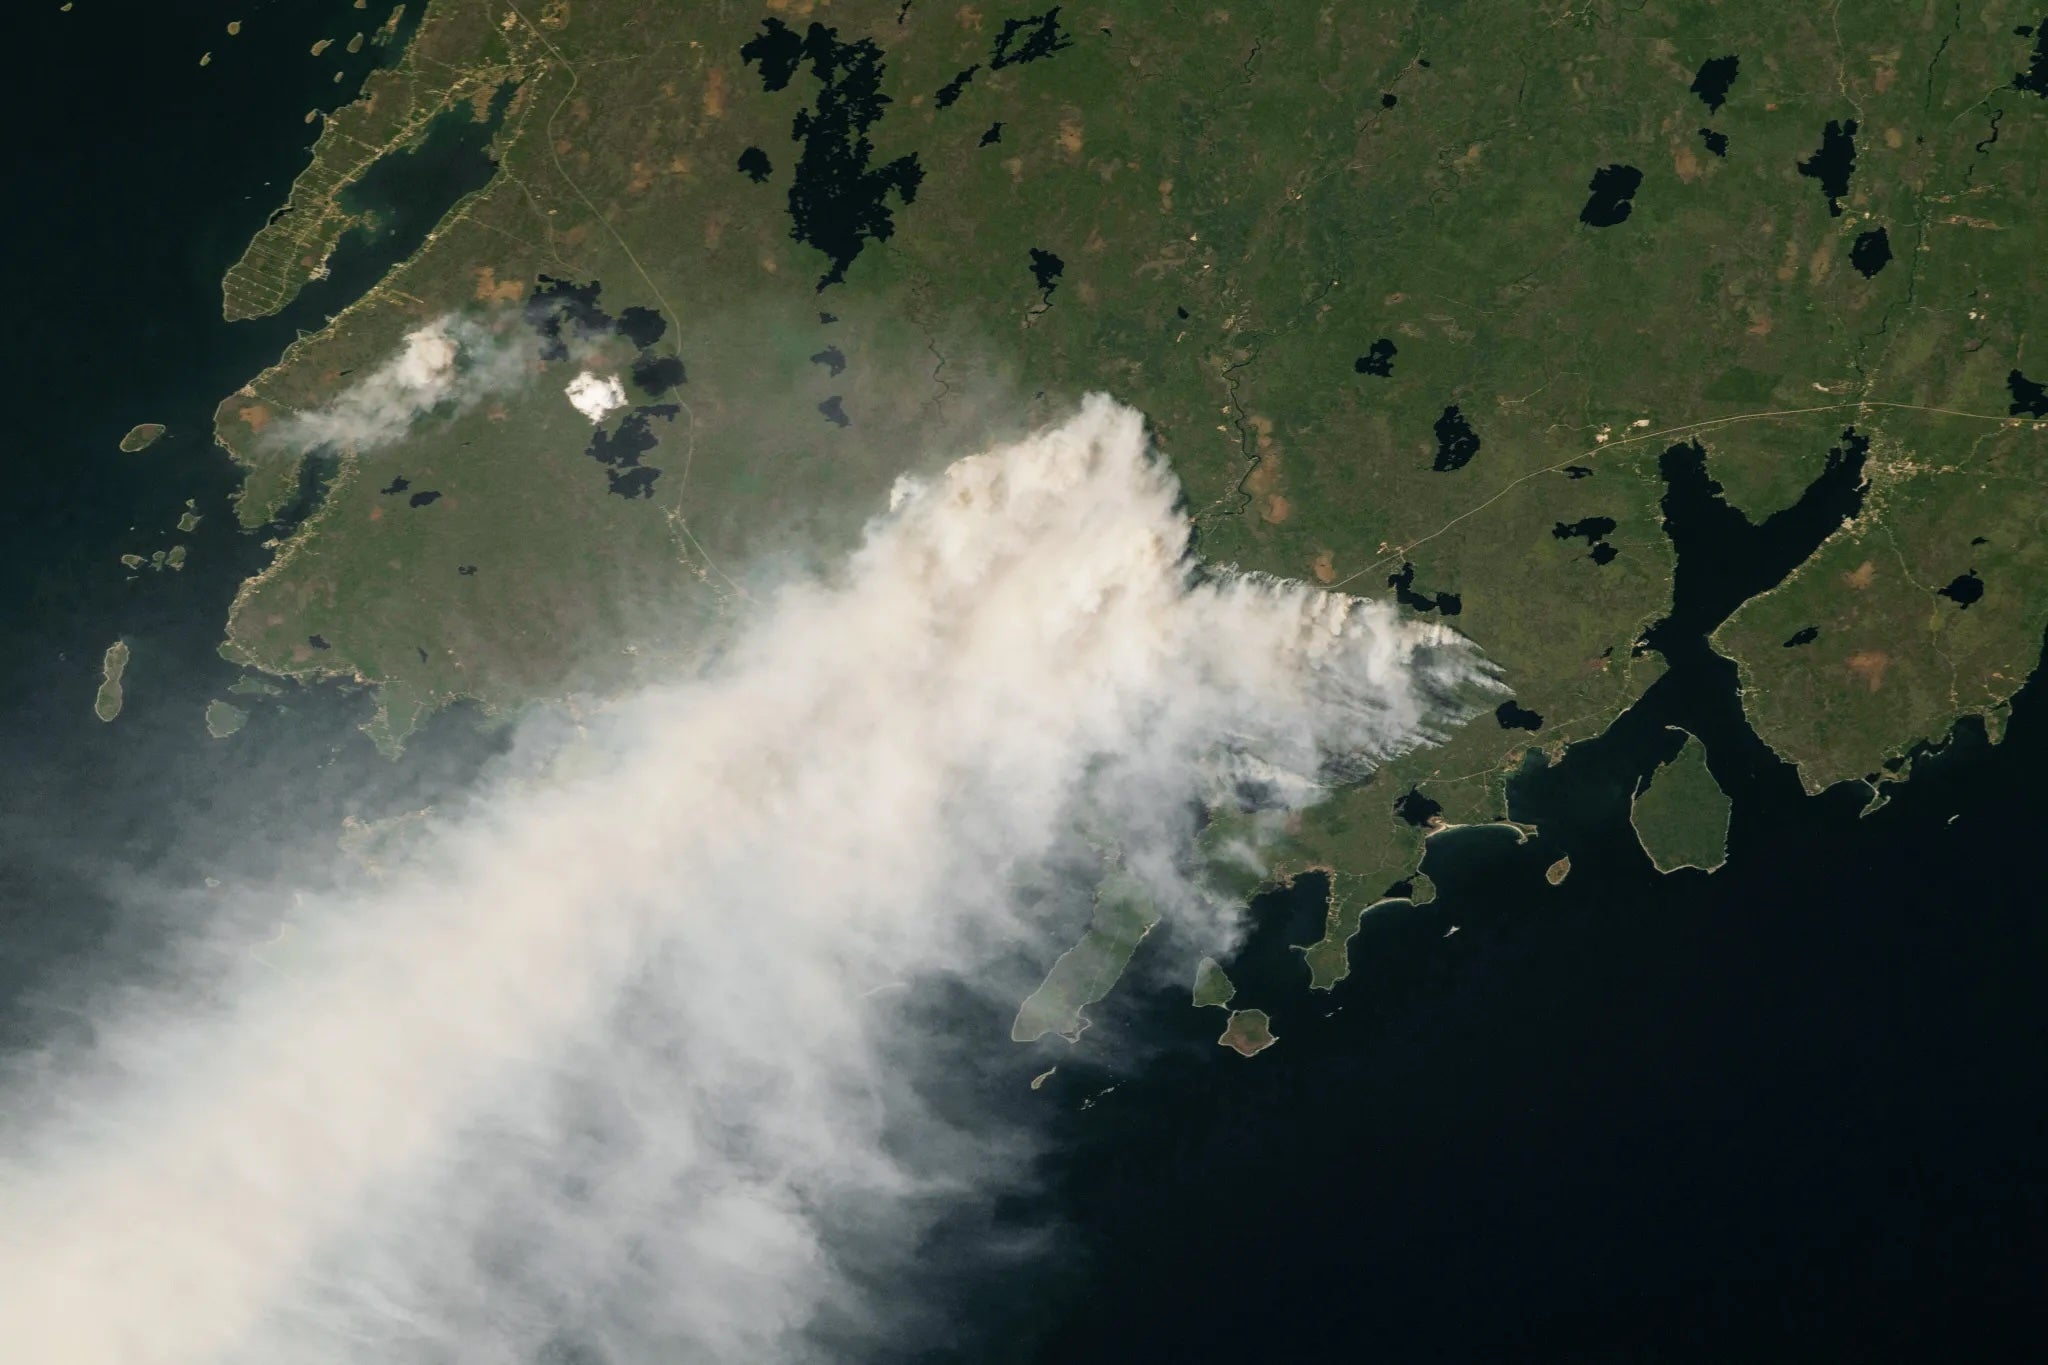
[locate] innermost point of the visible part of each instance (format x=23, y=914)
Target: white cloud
x=451, y=362
x=608, y=1061
x=596, y=397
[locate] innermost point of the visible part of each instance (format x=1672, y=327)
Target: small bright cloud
x=596, y=397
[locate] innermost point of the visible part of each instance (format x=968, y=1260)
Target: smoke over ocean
x=598, y=1071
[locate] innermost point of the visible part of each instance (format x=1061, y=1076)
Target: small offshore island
x=1213, y=985
x=1249, y=1032
x=224, y=718
x=107, y=704
x=1681, y=815
x=141, y=436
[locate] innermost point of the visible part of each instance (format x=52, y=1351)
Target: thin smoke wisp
x=603, y=1070
x=451, y=364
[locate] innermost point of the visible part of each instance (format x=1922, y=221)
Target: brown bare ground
x=1070, y=138
x=1685, y=163
x=490, y=289
x=1248, y=1033
x=1869, y=665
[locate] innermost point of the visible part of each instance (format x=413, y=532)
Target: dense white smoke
x=606, y=1063
x=451, y=363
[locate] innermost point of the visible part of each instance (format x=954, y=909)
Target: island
x=1248, y=1033
x=107, y=704
x=1681, y=816
x=1084, y=974
x=1212, y=985
x=141, y=436
x=224, y=719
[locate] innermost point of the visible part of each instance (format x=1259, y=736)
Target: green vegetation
x=107, y=704
x=1248, y=1033
x=1681, y=816
x=224, y=719
x=249, y=686
x=1085, y=972
x=1212, y=985
x=1240, y=215
x=443, y=66
x=142, y=436
x=172, y=558
x=1892, y=661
